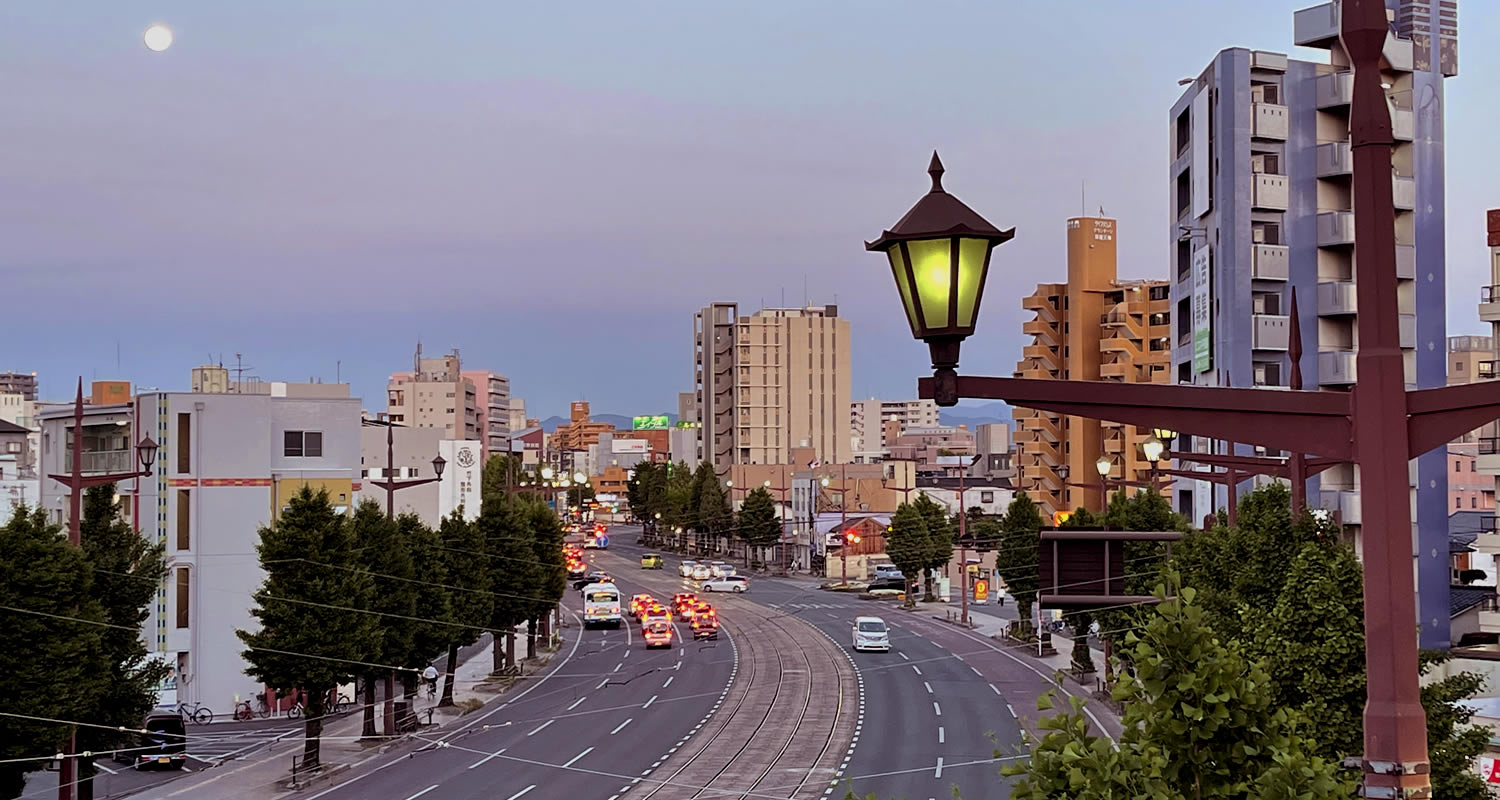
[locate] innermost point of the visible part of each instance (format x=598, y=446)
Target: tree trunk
x=313, y=731
x=510, y=648
x=369, y=704
x=448, y=676
x=531, y=638
x=497, y=652
x=928, y=596
x=388, y=706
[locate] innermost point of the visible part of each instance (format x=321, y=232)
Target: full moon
x=158, y=38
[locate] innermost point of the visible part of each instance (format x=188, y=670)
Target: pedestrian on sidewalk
x=430, y=675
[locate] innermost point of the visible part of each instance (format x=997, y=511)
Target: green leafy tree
x=501, y=472
x=1081, y=621
x=509, y=567
x=548, y=570
x=759, y=526
x=51, y=635
x=469, y=601
x=637, y=491
x=714, y=515
x=1017, y=559
x=1198, y=723
x=383, y=551
x=126, y=573
x=703, y=477
x=1453, y=743
x=314, y=630
x=432, y=631
x=908, y=543
x=940, y=533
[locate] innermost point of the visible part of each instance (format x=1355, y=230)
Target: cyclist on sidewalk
x=430, y=675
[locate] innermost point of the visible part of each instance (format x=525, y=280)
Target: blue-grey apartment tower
x=1260, y=177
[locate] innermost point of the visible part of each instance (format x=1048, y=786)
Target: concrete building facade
x=493, y=391
x=867, y=420
x=714, y=383
x=436, y=394
x=227, y=465
x=21, y=383
x=1260, y=175
x=1092, y=327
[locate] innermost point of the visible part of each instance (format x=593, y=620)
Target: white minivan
x=870, y=633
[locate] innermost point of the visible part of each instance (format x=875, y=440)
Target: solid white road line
x=577, y=702
x=424, y=791
x=539, y=728
x=649, y=702
x=928, y=685
x=669, y=681
x=574, y=759
x=937, y=709
x=938, y=773
x=522, y=792
x=486, y=758
x=619, y=727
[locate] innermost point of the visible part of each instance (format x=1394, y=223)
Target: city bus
x=601, y=605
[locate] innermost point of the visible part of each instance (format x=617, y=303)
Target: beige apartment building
x=771, y=381
x=1092, y=327
x=436, y=394
x=867, y=420
x=494, y=410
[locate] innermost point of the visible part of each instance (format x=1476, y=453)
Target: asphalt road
x=933, y=721
x=603, y=719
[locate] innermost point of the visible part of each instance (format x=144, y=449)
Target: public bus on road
x=601, y=605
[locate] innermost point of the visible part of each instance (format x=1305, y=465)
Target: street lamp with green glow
x=940, y=256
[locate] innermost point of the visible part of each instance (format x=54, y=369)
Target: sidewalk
x=993, y=621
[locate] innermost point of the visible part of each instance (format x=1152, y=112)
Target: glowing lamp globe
x=157, y=38
x=939, y=255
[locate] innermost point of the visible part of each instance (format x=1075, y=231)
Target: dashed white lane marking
x=601, y=683
x=486, y=758
x=937, y=709
x=106, y=769
x=977, y=672
x=940, y=734
x=992, y=688
x=539, y=728
x=903, y=656
x=669, y=681
x=928, y=686
x=649, y=702
x=617, y=667
x=577, y=702
x=938, y=773
x=570, y=762
x=522, y=792
x=626, y=654
x=424, y=791
x=1011, y=710
x=916, y=669
x=619, y=727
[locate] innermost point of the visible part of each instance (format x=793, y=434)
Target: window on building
x=1473, y=502
x=184, y=519
x=1184, y=130
x=183, y=444
x=184, y=595
x=1184, y=191
x=1457, y=466
x=411, y=472
x=302, y=444
x=986, y=497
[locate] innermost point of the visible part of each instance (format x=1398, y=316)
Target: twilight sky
x=554, y=188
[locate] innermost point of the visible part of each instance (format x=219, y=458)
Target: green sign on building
x=657, y=423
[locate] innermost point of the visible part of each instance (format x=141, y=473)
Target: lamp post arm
x=1437, y=416
x=1310, y=421
x=393, y=486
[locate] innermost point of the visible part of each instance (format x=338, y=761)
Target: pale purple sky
x=555, y=188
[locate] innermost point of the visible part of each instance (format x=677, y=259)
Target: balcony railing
x=1487, y=370
x=1489, y=294
x=1489, y=445
x=102, y=461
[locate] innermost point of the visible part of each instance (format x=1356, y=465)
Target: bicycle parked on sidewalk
x=197, y=712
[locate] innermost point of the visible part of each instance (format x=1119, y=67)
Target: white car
x=870, y=633
x=685, y=569
x=701, y=572
x=729, y=583
x=721, y=569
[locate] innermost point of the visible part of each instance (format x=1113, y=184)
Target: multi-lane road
x=778, y=707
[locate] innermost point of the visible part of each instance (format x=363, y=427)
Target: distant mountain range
x=958, y=415
x=975, y=415
x=620, y=421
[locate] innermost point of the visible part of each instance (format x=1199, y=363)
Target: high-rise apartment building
x=713, y=383
x=1093, y=327
x=23, y=384
x=436, y=394
x=867, y=418
x=494, y=410
x=581, y=431
x=772, y=381
x=1260, y=188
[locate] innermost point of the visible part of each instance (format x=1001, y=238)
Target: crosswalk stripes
x=213, y=747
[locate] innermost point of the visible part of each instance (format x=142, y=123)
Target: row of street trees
x=670, y=496
x=70, y=641
x=365, y=596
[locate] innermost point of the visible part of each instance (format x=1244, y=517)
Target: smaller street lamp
x=1153, y=448
x=547, y=473
x=1103, y=466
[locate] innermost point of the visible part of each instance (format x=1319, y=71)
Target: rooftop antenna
x=416, y=362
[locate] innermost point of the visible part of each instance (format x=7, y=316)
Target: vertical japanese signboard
x=1202, y=191
x=1202, y=310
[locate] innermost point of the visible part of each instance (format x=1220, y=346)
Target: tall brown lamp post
x=939, y=254
x=76, y=481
